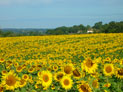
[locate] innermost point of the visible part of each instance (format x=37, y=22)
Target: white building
x=90, y=31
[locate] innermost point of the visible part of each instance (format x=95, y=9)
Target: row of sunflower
x=88, y=76
x=62, y=47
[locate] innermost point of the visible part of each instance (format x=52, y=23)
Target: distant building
x=90, y=31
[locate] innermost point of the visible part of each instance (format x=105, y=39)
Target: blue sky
x=55, y=13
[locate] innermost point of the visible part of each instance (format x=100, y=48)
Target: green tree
x=98, y=25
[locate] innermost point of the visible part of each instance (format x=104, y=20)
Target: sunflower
x=25, y=77
x=8, y=66
x=31, y=70
x=84, y=87
x=121, y=62
x=66, y=82
x=10, y=80
x=89, y=66
x=39, y=73
x=1, y=60
x=119, y=73
x=37, y=86
x=107, y=85
x=24, y=66
x=95, y=84
x=46, y=78
x=19, y=69
x=58, y=76
x=38, y=67
x=16, y=64
x=108, y=59
x=95, y=74
x=76, y=73
x=108, y=69
x=1, y=88
x=4, y=72
x=22, y=83
x=55, y=67
x=53, y=87
x=68, y=68
x=31, y=80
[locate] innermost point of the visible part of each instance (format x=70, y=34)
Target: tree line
x=99, y=27
x=14, y=34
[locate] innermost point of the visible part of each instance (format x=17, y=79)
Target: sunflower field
x=62, y=63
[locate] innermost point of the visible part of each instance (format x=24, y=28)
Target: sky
x=56, y=13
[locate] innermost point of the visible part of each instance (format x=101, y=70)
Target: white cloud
x=9, y=2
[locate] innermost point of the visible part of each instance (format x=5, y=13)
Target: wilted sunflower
x=66, y=82
x=119, y=73
x=10, y=81
x=68, y=68
x=46, y=78
x=108, y=69
x=95, y=84
x=89, y=66
x=84, y=87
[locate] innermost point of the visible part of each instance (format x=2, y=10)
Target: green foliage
x=68, y=30
x=112, y=27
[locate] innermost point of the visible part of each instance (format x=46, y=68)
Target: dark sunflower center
x=59, y=76
x=120, y=72
x=89, y=63
x=39, y=66
x=11, y=80
x=66, y=82
x=31, y=69
x=25, y=77
x=1, y=89
x=19, y=68
x=83, y=88
x=4, y=71
x=22, y=82
x=108, y=69
x=76, y=73
x=67, y=69
x=46, y=78
x=55, y=67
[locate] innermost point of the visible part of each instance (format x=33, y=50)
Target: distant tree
x=1, y=32
x=88, y=27
x=98, y=25
x=8, y=34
